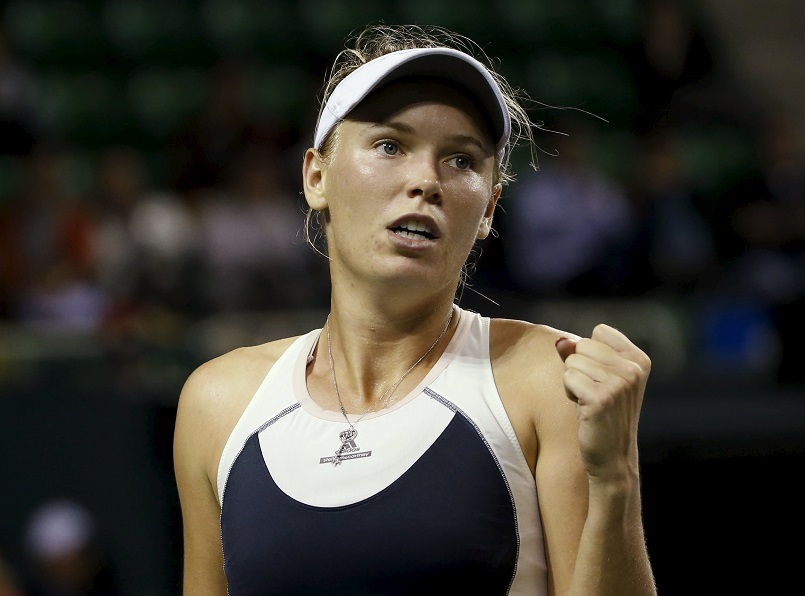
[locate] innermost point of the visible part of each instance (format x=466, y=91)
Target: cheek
x=363, y=170
x=352, y=184
x=476, y=193
x=471, y=209
x=358, y=177
x=484, y=182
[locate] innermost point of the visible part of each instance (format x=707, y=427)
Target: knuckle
x=645, y=363
x=634, y=374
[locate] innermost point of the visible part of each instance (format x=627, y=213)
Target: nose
x=425, y=181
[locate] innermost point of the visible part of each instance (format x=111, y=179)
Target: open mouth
x=414, y=230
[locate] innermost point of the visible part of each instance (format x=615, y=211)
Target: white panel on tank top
x=298, y=449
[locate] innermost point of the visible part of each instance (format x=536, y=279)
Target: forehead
x=391, y=99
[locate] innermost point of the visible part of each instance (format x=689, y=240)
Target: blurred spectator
x=18, y=97
x=65, y=553
x=203, y=148
x=766, y=210
x=167, y=231
x=767, y=216
x=145, y=248
x=674, y=248
x=255, y=256
x=120, y=184
x=147, y=239
x=680, y=75
x=164, y=230
x=46, y=252
x=567, y=222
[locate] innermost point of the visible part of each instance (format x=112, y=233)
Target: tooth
x=415, y=226
x=413, y=229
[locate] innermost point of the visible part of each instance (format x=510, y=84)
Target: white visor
x=444, y=63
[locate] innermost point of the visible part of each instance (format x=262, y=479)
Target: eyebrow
x=406, y=129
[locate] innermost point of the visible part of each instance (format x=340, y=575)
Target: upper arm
x=562, y=487
x=210, y=405
x=193, y=439
x=529, y=373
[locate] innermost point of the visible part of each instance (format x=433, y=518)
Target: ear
x=486, y=221
x=313, y=180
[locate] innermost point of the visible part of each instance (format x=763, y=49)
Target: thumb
x=565, y=347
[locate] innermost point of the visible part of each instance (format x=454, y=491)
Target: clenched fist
x=606, y=376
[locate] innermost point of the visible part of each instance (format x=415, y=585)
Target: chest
x=447, y=519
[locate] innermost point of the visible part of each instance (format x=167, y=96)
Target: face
x=409, y=185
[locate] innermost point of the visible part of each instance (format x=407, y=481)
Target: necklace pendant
x=347, y=438
x=347, y=435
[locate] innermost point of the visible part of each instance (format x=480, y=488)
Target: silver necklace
x=348, y=435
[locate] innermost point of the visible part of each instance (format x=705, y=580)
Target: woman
x=410, y=446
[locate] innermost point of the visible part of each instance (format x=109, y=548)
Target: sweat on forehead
x=445, y=64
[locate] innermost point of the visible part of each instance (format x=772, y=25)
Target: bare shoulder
x=215, y=395
x=229, y=373
x=529, y=377
x=525, y=351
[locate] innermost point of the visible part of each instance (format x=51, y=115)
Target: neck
x=371, y=353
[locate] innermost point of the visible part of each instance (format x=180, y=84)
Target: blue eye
x=462, y=162
x=389, y=147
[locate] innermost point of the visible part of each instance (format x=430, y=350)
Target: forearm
x=612, y=557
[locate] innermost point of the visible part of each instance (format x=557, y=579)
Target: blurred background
x=151, y=218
